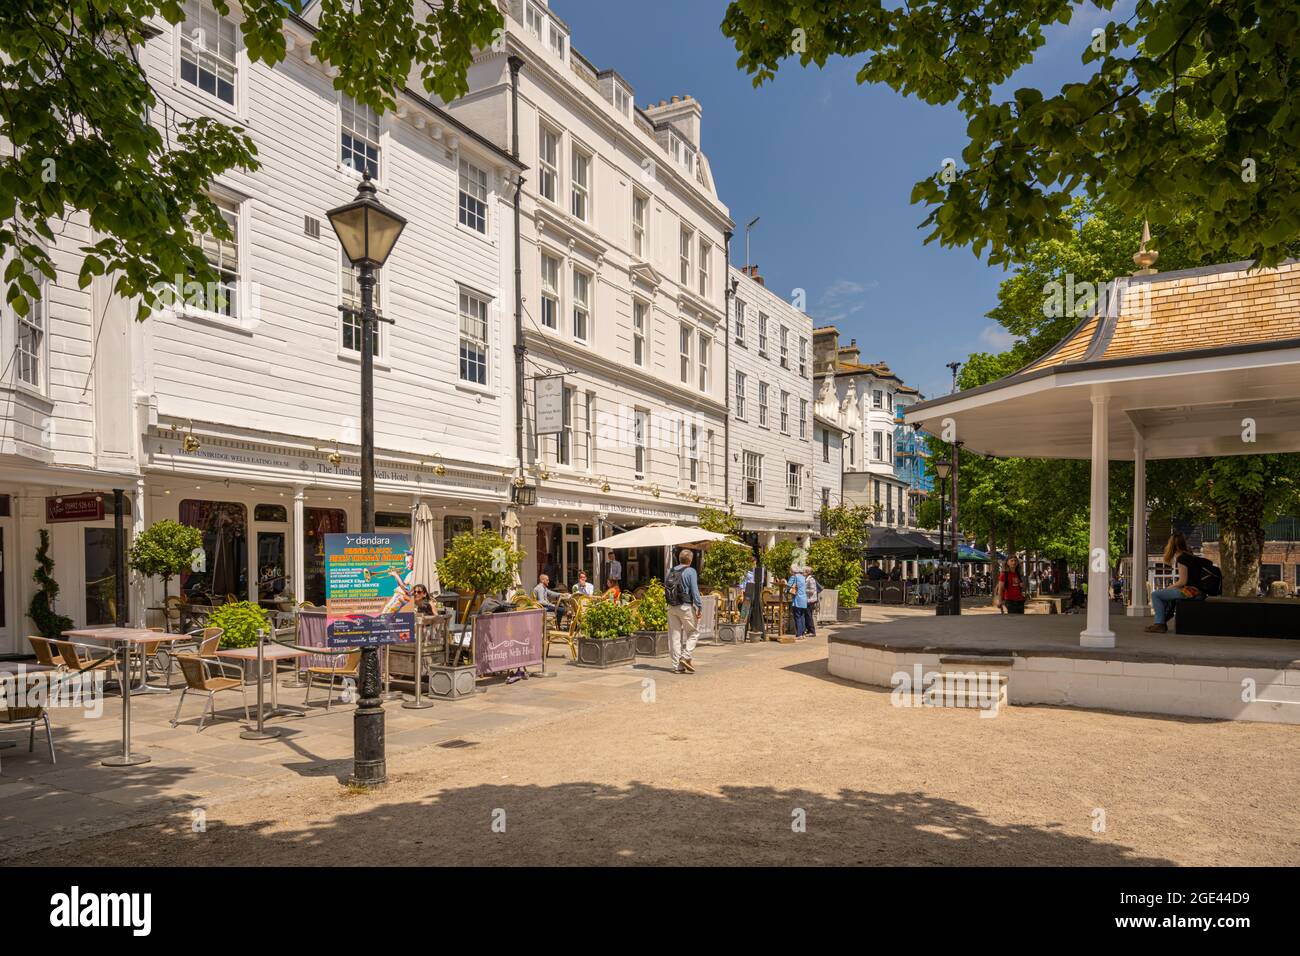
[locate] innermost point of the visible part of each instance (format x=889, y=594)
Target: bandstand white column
x=1138, y=606
x=1098, y=632
x=299, y=561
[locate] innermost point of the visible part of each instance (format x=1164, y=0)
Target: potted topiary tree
x=723, y=568
x=479, y=563
x=605, y=634
x=651, y=636
x=49, y=622
x=164, y=550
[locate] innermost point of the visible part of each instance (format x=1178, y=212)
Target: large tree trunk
x=1241, y=550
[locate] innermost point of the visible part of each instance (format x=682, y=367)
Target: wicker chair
x=72, y=659
x=199, y=677
x=16, y=716
x=564, y=635
x=331, y=666
x=45, y=653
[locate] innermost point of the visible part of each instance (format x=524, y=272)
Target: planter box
x=732, y=633
x=451, y=683
x=849, y=615
x=650, y=643
x=612, y=653
x=828, y=606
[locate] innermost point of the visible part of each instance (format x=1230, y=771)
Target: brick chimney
x=753, y=273
x=683, y=112
x=850, y=354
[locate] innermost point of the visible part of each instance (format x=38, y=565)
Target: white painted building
x=865, y=396
x=237, y=409
x=771, y=445
x=624, y=257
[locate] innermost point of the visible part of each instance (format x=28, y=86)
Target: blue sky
x=829, y=166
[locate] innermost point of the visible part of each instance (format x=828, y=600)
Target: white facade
x=237, y=408
x=771, y=444
x=864, y=398
x=624, y=263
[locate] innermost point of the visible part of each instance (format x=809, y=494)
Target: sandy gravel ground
x=722, y=767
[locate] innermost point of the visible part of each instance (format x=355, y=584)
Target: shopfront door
x=101, y=575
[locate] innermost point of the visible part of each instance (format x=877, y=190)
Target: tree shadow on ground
x=596, y=824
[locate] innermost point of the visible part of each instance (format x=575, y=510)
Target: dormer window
x=681, y=153
x=622, y=100
x=558, y=40
x=536, y=21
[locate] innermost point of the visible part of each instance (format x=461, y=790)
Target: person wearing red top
x=1010, y=592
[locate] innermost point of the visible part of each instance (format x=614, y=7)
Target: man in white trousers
x=682, y=589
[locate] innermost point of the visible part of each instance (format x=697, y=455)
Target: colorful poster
x=368, y=580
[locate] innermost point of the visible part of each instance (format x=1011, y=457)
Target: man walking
x=682, y=590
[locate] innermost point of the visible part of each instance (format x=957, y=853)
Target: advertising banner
x=368, y=580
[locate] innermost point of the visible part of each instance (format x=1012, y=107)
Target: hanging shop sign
x=368, y=580
x=74, y=508
x=549, y=402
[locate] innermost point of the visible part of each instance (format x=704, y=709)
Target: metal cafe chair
x=199, y=678
x=16, y=716
x=331, y=666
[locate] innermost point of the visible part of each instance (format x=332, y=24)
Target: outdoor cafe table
x=124, y=639
x=270, y=652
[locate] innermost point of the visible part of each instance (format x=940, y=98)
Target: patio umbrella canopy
x=422, y=543
x=890, y=543
x=659, y=536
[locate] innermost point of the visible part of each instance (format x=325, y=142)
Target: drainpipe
x=730, y=285
x=521, y=353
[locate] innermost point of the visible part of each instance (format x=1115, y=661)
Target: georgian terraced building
x=236, y=409
x=624, y=264
x=867, y=401
x=770, y=448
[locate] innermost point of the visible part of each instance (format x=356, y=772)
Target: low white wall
x=1186, y=690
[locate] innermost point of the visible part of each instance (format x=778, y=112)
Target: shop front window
x=272, y=584
x=318, y=522
x=101, y=577
x=453, y=525
x=223, y=573
x=276, y=514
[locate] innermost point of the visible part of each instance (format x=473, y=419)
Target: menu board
x=368, y=580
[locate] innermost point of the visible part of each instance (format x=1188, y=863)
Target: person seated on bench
x=1165, y=601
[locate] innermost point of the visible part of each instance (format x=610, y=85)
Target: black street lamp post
x=942, y=469
x=367, y=231
x=956, y=547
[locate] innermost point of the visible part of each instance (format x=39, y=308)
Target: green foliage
x=481, y=562
x=50, y=623
x=719, y=521
x=163, y=550
x=652, y=609
x=606, y=620
x=778, y=558
x=1189, y=111
x=89, y=133
x=828, y=562
x=239, y=622
x=848, y=587
x=724, y=564
x=850, y=525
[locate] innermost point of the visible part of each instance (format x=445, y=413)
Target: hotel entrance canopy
x=1202, y=362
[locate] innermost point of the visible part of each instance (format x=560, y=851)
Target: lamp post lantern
x=367, y=230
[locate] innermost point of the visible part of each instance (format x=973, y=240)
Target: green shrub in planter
x=239, y=622
x=606, y=620
x=652, y=609
x=725, y=564
x=848, y=588
x=778, y=558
